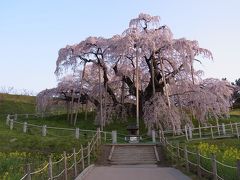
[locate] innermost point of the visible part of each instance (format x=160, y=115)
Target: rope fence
x=190, y=133
x=70, y=165
x=199, y=164
x=44, y=130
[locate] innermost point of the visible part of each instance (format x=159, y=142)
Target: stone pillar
x=114, y=137
x=153, y=136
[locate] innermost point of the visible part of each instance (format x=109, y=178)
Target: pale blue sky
x=32, y=32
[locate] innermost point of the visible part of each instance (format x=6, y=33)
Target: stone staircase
x=133, y=154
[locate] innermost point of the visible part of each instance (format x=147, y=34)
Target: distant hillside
x=16, y=104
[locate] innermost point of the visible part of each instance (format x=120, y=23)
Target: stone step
x=132, y=162
x=133, y=155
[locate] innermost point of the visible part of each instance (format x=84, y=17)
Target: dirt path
x=135, y=172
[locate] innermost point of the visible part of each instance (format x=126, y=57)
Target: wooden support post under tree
x=72, y=106
x=186, y=132
x=137, y=91
x=211, y=128
x=86, y=111
x=80, y=92
x=100, y=96
x=200, y=132
x=68, y=109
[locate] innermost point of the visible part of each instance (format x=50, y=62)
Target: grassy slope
x=32, y=142
x=15, y=140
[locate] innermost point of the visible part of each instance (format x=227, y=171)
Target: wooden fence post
x=214, y=167
x=223, y=129
x=211, y=131
x=28, y=172
x=153, y=136
x=11, y=124
x=77, y=133
x=25, y=127
x=186, y=158
x=65, y=166
x=44, y=130
x=236, y=126
x=50, y=172
x=75, y=162
x=231, y=127
x=190, y=132
x=199, y=173
x=82, y=157
x=200, y=132
x=186, y=132
x=238, y=169
x=89, y=154
x=7, y=120
x=218, y=128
